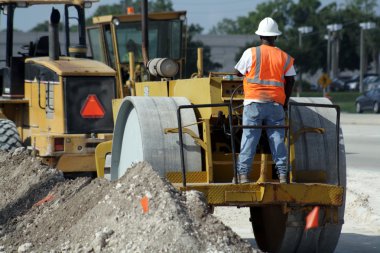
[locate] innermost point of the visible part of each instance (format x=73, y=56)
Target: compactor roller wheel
x=140, y=136
x=314, y=152
x=9, y=137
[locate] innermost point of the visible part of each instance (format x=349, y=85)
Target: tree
x=114, y=9
x=120, y=8
x=312, y=55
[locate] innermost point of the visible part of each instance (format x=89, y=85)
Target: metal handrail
x=233, y=127
x=181, y=138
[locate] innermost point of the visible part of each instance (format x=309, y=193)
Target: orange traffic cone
x=145, y=204
x=312, y=218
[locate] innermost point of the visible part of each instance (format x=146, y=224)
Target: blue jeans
x=257, y=114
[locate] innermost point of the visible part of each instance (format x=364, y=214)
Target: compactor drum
x=314, y=155
x=140, y=126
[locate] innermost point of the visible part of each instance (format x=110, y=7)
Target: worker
x=268, y=81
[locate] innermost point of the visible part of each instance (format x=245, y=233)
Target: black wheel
x=376, y=107
x=277, y=232
x=269, y=224
x=9, y=137
x=358, y=108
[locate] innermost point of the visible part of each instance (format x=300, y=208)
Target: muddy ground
x=40, y=211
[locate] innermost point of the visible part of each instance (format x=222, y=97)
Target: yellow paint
x=100, y=157
x=137, y=17
x=153, y=89
x=191, y=177
x=269, y=193
x=208, y=150
x=76, y=163
x=38, y=121
x=245, y=197
x=68, y=66
x=116, y=103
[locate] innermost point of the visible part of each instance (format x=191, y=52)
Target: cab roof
x=137, y=17
x=34, y=2
x=68, y=66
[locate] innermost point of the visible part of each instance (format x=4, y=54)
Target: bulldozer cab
x=17, y=49
x=113, y=37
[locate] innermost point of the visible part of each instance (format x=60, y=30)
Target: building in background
x=224, y=48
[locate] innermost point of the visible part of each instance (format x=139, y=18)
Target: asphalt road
x=361, y=135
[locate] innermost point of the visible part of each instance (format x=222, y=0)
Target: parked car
x=372, y=84
x=340, y=83
x=353, y=84
x=370, y=100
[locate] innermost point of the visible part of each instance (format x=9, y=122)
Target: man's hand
x=238, y=73
x=289, y=83
x=285, y=106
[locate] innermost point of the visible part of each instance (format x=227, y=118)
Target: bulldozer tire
x=140, y=136
x=9, y=137
x=276, y=231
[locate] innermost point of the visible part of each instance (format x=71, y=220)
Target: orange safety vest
x=265, y=81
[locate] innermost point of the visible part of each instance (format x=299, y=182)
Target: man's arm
x=289, y=83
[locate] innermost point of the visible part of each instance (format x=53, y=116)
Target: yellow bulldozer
x=189, y=131
x=54, y=100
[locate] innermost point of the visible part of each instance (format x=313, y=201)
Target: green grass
x=346, y=100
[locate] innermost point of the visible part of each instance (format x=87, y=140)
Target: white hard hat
x=268, y=27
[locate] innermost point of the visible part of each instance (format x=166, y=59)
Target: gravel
x=43, y=212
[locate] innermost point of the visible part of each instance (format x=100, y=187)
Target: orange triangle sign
x=92, y=108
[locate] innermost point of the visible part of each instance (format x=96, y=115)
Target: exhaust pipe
x=54, y=34
x=144, y=28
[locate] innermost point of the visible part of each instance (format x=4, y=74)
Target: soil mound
x=138, y=213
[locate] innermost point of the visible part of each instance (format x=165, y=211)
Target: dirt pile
x=138, y=213
x=23, y=181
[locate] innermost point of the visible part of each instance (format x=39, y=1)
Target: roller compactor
x=189, y=130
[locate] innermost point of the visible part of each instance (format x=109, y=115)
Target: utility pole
x=328, y=53
x=302, y=30
x=335, y=55
x=333, y=49
x=361, y=60
x=363, y=26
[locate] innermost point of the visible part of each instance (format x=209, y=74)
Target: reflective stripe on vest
x=256, y=79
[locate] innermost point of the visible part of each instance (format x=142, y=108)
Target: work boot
x=283, y=179
x=242, y=179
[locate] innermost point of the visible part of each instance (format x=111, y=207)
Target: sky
x=207, y=13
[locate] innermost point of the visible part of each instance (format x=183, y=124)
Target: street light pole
x=363, y=26
x=302, y=30
x=361, y=60
x=333, y=29
x=328, y=52
x=332, y=55
x=299, y=87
